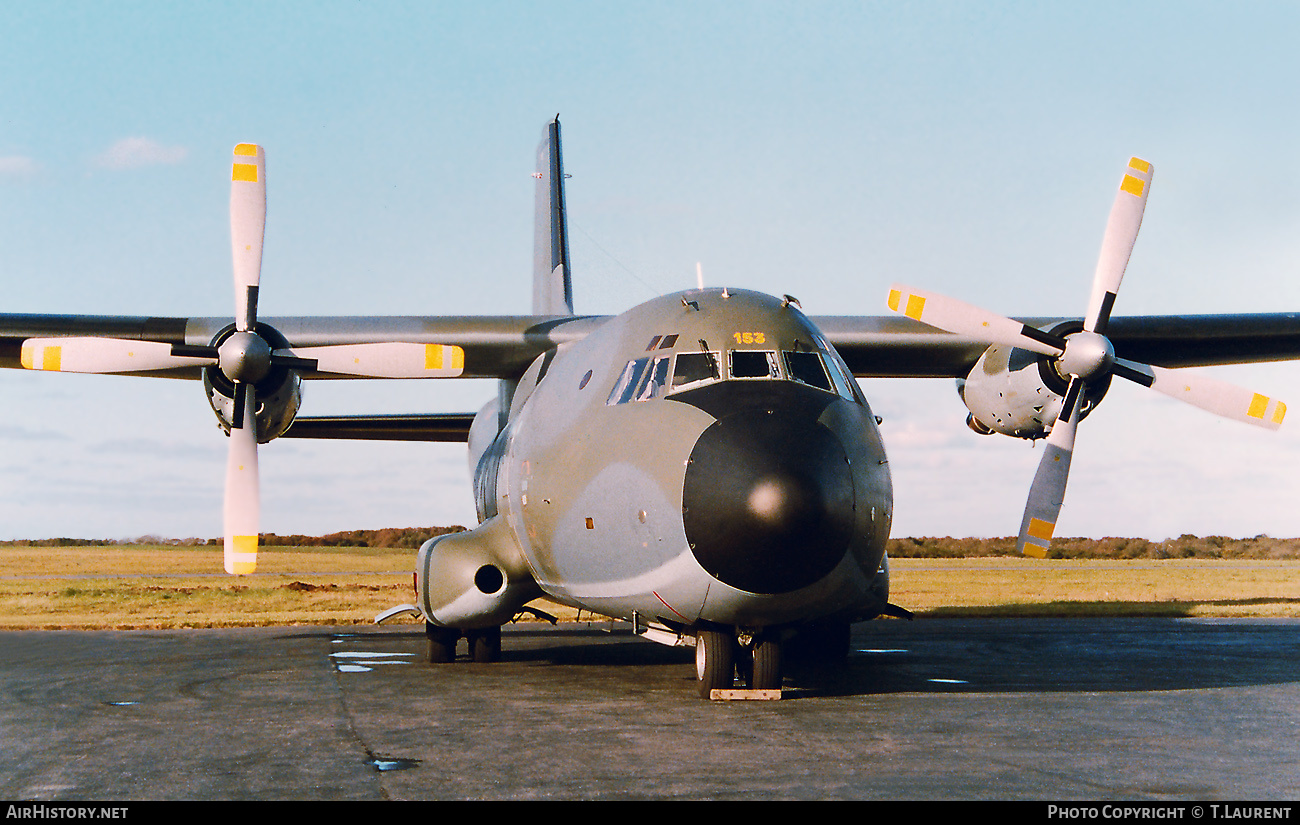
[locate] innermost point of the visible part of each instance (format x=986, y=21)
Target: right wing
x=493, y=346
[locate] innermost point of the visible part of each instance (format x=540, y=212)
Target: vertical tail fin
x=552, y=289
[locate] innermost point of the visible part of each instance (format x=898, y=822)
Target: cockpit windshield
x=807, y=368
x=748, y=363
x=695, y=368
x=653, y=376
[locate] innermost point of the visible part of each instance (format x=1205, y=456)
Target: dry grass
x=168, y=587
x=165, y=586
x=1000, y=586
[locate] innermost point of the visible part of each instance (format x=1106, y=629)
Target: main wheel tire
x=767, y=663
x=485, y=644
x=715, y=660
x=442, y=643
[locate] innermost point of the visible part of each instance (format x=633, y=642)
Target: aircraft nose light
x=775, y=500
x=768, y=500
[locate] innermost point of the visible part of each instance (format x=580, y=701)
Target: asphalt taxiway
x=934, y=709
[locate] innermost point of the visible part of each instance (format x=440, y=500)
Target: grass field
x=132, y=586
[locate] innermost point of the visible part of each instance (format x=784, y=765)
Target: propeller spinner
x=1085, y=356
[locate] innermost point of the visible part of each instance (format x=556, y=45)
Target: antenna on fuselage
x=699, y=276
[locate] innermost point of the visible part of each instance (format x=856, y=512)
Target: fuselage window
x=753, y=364
x=807, y=368
x=695, y=367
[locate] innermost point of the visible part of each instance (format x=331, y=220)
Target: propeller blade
x=1210, y=394
x=383, y=360
x=243, y=501
x=105, y=355
x=952, y=315
x=1117, y=244
x=247, y=229
x=1048, y=491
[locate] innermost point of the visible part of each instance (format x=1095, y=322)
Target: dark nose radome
x=768, y=500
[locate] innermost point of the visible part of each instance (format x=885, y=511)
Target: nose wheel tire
x=715, y=660
x=766, y=672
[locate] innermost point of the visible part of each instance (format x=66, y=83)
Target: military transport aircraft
x=703, y=465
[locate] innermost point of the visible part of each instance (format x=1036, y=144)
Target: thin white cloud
x=17, y=166
x=135, y=152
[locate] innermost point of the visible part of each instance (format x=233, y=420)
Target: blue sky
x=819, y=149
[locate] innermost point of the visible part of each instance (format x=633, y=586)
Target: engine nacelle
x=1019, y=393
x=1005, y=394
x=279, y=393
x=473, y=579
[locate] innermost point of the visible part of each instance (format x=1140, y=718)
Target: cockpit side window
x=693, y=368
x=845, y=383
x=753, y=364
x=807, y=368
x=655, y=380
x=626, y=385
x=641, y=380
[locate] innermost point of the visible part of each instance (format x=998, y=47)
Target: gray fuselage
x=705, y=457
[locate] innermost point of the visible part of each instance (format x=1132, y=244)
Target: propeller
x=1085, y=356
x=244, y=357
x=387, y=359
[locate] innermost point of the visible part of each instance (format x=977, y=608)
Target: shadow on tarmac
x=971, y=655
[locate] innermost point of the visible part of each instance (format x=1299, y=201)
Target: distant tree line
x=1183, y=547
x=409, y=537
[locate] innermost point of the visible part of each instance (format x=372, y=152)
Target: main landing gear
x=722, y=657
x=484, y=643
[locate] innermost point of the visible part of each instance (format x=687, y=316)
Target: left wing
x=899, y=347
